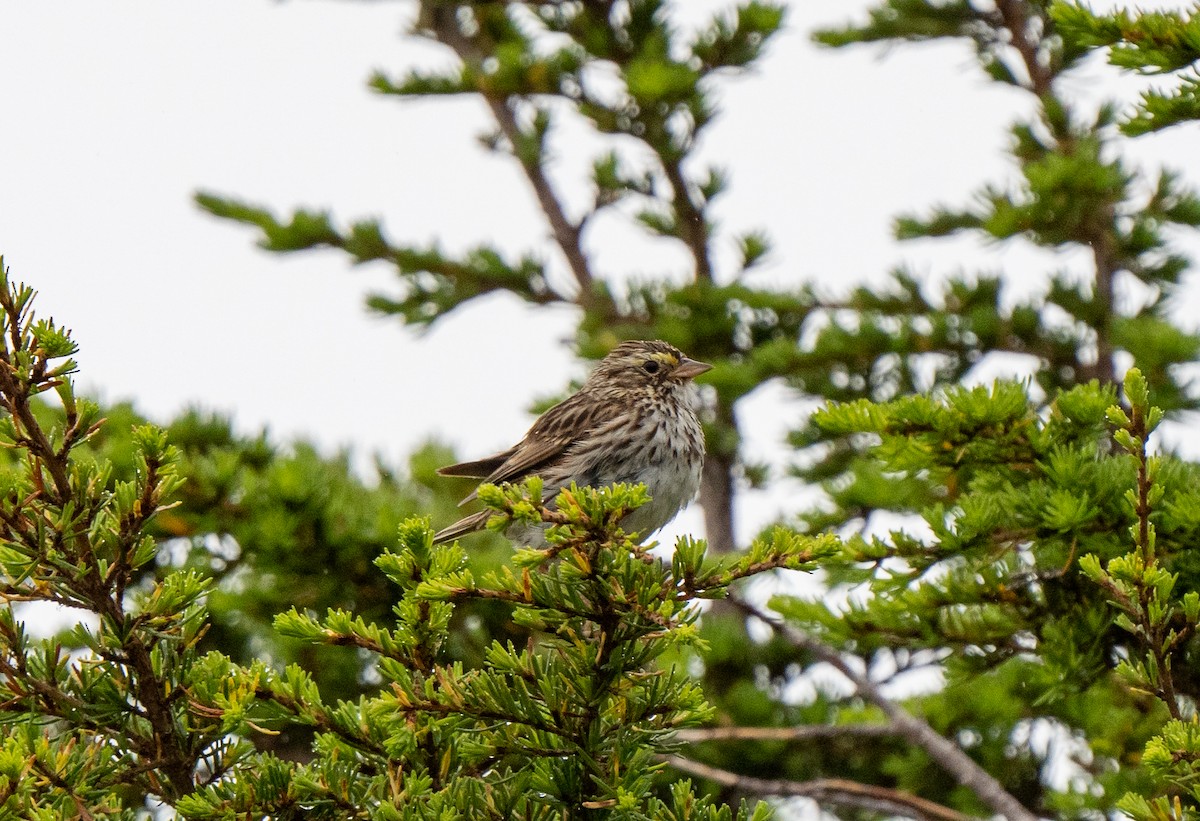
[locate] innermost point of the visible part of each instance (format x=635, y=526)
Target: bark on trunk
x=716, y=496
x=717, y=482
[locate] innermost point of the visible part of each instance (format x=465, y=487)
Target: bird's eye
x=650, y=366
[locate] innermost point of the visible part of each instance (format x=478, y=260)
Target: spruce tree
x=125, y=713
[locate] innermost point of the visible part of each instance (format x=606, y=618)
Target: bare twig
x=832, y=791
x=946, y=753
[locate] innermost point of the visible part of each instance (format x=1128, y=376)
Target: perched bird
x=632, y=421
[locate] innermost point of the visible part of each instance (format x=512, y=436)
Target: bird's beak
x=690, y=368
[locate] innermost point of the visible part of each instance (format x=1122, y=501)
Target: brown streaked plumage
x=632, y=421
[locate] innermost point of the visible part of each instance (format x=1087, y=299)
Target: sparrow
x=632, y=421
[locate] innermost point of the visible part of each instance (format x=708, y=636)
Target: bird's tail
x=476, y=521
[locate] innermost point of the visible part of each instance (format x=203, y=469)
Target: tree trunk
x=716, y=496
x=717, y=482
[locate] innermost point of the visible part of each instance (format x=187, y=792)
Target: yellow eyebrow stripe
x=665, y=358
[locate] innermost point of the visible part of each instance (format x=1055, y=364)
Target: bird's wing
x=554, y=431
x=551, y=435
x=545, y=443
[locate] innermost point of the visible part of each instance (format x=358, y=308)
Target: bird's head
x=646, y=363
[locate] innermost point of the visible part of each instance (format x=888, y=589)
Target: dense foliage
x=126, y=706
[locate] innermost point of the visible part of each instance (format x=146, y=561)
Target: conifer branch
x=67, y=510
x=947, y=754
x=839, y=792
x=321, y=720
x=16, y=393
x=1146, y=602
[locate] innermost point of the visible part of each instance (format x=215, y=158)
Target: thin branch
x=693, y=227
x=81, y=810
x=445, y=28
x=804, y=732
x=839, y=792
x=946, y=753
x=30, y=433
x=1015, y=17
x=567, y=234
x=320, y=717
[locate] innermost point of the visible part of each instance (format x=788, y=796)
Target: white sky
x=113, y=114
